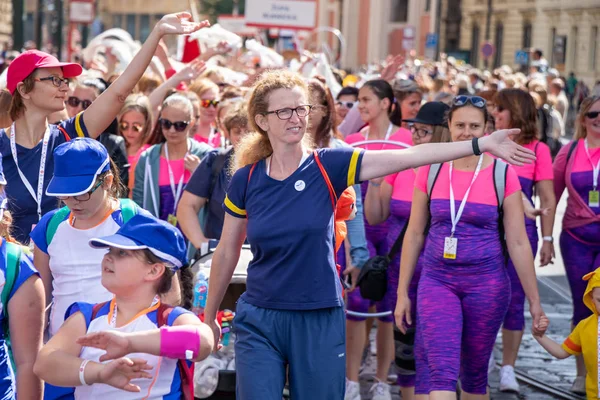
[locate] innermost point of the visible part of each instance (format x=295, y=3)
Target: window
x=527, y=31
x=474, y=45
x=144, y=27
x=428, y=5
x=573, y=39
x=399, y=12
x=499, y=39
x=117, y=21
x=594, y=48
x=130, y=21
x=552, y=45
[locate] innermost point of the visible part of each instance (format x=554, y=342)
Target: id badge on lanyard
x=450, y=242
x=593, y=195
x=37, y=197
x=172, y=218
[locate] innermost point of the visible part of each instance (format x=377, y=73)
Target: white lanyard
x=176, y=191
x=387, y=135
x=304, y=157
x=40, y=186
x=595, y=168
x=453, y=214
x=113, y=318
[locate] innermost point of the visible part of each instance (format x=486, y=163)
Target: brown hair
x=586, y=104
x=117, y=188
x=141, y=104
x=185, y=275
x=17, y=107
x=5, y=100
x=487, y=95
x=523, y=113
x=147, y=84
x=327, y=129
x=201, y=86
x=232, y=92
x=236, y=116
x=256, y=146
x=6, y=221
x=440, y=134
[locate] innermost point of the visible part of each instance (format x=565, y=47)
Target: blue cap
x=77, y=163
x=144, y=231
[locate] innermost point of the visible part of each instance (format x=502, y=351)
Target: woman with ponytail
x=290, y=321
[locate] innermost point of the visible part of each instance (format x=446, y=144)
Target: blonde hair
x=201, y=86
x=256, y=146
x=586, y=104
x=141, y=104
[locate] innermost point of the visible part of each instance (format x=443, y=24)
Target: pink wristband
x=180, y=342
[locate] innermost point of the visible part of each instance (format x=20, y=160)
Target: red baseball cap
x=29, y=61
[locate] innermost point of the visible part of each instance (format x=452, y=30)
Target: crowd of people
x=114, y=177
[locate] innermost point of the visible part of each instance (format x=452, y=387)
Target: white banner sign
x=286, y=14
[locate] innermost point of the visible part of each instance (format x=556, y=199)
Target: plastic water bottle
x=200, y=293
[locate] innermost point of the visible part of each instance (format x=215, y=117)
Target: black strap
x=398, y=243
x=571, y=149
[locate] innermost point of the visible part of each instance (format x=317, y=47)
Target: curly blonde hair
x=256, y=145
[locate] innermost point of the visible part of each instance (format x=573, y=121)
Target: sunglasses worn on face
x=124, y=126
x=178, y=125
x=85, y=196
x=592, y=114
x=348, y=104
x=56, y=81
x=476, y=101
x=208, y=103
x=74, y=102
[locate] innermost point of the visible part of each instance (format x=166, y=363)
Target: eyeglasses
x=420, y=132
x=85, y=196
x=75, y=101
x=56, y=81
x=124, y=126
x=178, y=125
x=286, y=113
x=347, y=104
x=476, y=101
x=592, y=114
x=208, y=103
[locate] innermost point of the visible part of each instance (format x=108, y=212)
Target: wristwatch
x=548, y=239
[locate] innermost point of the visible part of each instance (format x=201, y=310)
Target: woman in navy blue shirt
x=292, y=314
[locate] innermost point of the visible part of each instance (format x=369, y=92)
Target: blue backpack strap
x=54, y=222
x=13, y=268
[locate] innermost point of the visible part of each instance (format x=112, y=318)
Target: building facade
x=566, y=32
x=5, y=20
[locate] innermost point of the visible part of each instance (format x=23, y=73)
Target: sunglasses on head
x=476, y=101
x=347, y=104
x=592, y=114
x=75, y=101
x=208, y=103
x=178, y=125
x=124, y=126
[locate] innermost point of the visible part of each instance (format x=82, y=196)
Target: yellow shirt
x=584, y=340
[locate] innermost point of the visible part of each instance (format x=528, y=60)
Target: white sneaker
x=579, y=385
x=380, y=391
x=508, y=382
x=352, y=391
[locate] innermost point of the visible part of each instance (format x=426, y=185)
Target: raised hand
x=116, y=344
x=389, y=71
x=179, y=23
x=191, y=71
x=119, y=373
x=501, y=145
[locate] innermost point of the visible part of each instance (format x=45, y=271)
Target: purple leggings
x=579, y=258
x=515, y=316
x=458, y=317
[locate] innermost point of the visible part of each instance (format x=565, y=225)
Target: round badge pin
x=299, y=186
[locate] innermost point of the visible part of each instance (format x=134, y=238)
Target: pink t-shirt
x=214, y=139
x=167, y=200
x=401, y=135
x=133, y=160
x=403, y=184
x=540, y=170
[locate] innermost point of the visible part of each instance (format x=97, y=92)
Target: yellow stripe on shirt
x=352, y=168
x=233, y=207
x=78, y=125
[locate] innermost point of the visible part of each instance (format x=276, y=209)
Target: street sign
x=487, y=49
x=284, y=14
x=81, y=11
x=521, y=57
x=431, y=41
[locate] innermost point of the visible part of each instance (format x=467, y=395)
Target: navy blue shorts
x=311, y=343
